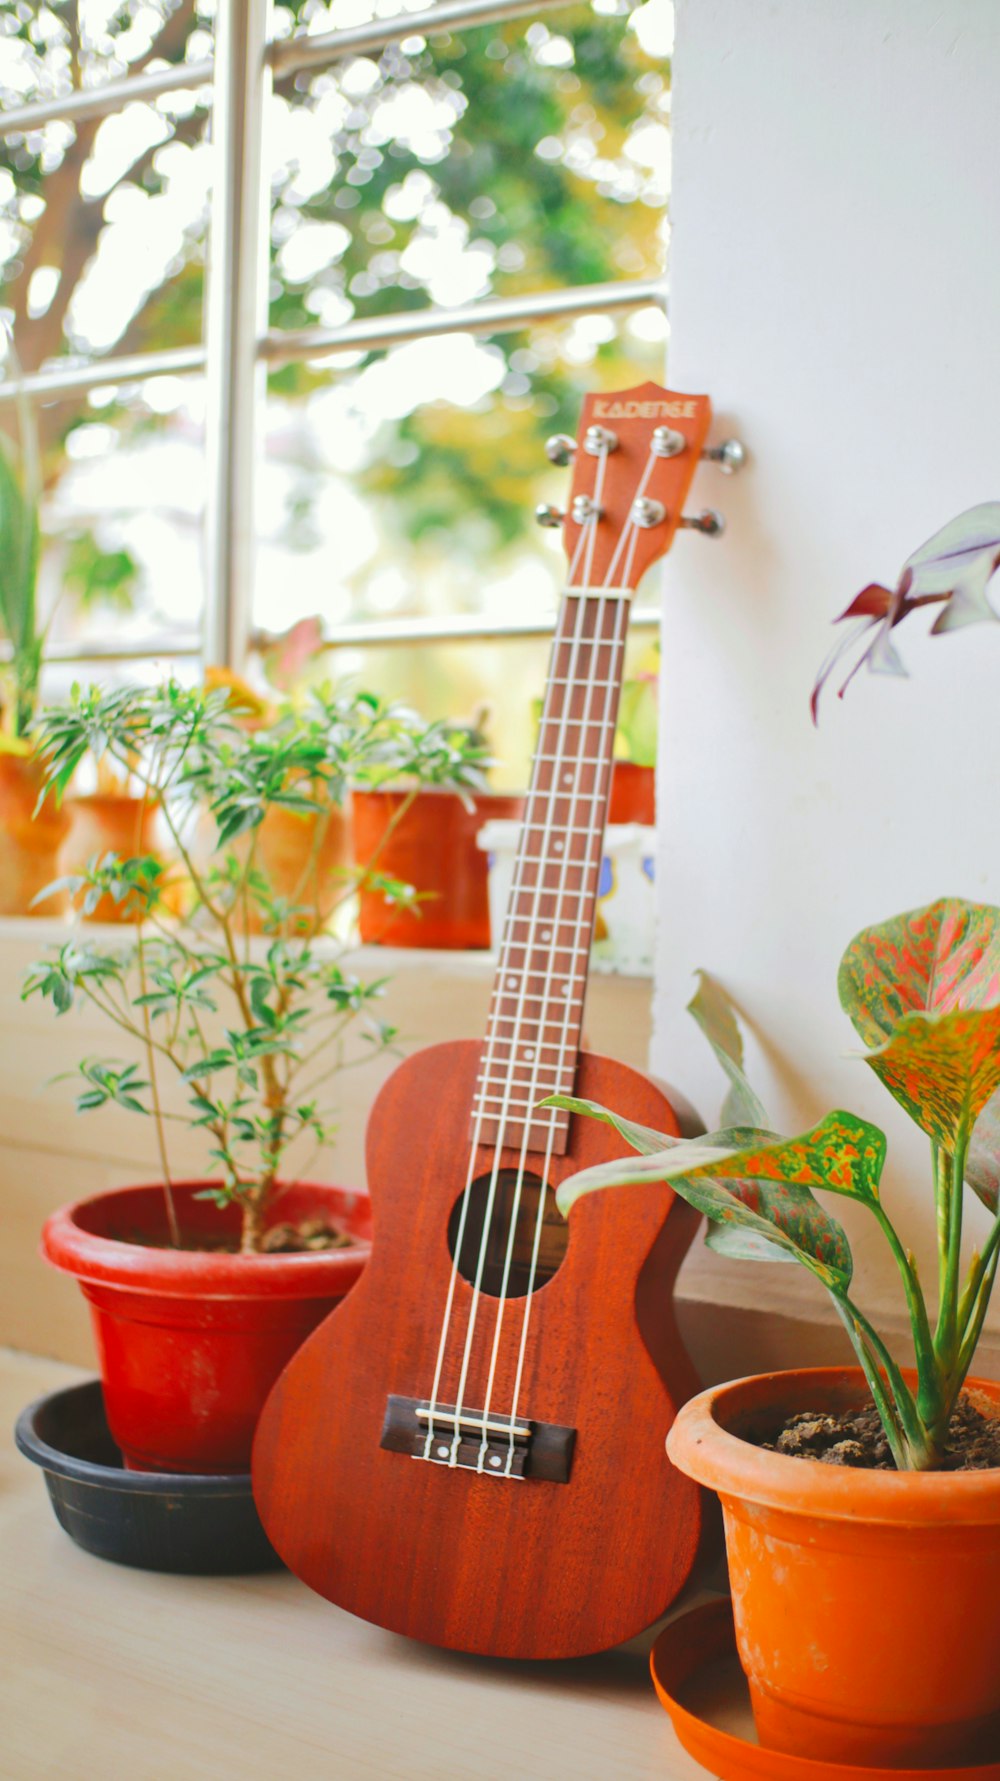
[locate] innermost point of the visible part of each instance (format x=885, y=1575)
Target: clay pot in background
x=633, y=794
x=29, y=844
x=297, y=866
x=867, y=1603
x=434, y=849
x=108, y=822
x=190, y=1341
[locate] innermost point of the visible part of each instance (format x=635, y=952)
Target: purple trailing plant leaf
x=952, y=569
x=957, y=564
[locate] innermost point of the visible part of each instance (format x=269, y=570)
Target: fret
x=541, y=859
x=584, y=684
x=514, y=1106
x=534, y=1085
x=538, y=826
x=513, y=977
x=560, y=761
x=530, y=1044
x=575, y=952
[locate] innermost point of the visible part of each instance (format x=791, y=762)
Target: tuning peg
x=646, y=512
x=667, y=442
x=559, y=449
x=708, y=522
x=584, y=509
x=547, y=515
x=730, y=455
x=599, y=439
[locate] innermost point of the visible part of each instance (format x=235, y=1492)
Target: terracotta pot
x=29, y=844
x=633, y=794
x=298, y=866
x=867, y=1604
x=108, y=822
x=191, y=1341
x=434, y=849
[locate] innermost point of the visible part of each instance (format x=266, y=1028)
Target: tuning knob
x=667, y=442
x=708, y=522
x=559, y=449
x=599, y=440
x=547, y=515
x=730, y=455
x=646, y=512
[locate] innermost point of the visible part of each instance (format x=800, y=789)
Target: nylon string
x=590, y=532
x=485, y=1067
x=576, y=803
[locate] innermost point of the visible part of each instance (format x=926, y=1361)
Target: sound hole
x=552, y=1243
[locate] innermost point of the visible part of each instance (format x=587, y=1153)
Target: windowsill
x=33, y=935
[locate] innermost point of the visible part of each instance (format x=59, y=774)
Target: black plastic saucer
x=158, y=1521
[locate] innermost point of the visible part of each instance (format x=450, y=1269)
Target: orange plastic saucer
x=704, y=1637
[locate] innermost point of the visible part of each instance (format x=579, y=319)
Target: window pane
x=102, y=232
x=516, y=158
x=123, y=519
x=513, y=158
x=102, y=221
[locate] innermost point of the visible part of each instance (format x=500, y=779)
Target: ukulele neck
x=536, y=1012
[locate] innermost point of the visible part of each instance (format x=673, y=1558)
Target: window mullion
x=236, y=315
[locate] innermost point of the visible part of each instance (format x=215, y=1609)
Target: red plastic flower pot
x=867, y=1603
x=633, y=794
x=434, y=849
x=190, y=1341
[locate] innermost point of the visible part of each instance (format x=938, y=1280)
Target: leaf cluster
x=923, y=992
x=243, y=1037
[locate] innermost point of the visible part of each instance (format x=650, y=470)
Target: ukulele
x=470, y=1449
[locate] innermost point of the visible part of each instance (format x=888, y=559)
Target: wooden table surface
x=111, y=1674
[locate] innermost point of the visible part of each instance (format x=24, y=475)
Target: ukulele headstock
x=634, y=459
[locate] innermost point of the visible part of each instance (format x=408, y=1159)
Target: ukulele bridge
x=474, y=1442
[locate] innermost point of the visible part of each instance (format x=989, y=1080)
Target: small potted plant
x=200, y=1291
x=33, y=831
x=633, y=782
x=425, y=835
x=862, y=1507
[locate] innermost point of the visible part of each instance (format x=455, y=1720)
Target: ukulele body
x=521, y=1567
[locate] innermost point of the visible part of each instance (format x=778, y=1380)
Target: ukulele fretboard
x=536, y=1013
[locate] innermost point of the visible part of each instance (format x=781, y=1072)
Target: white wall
x=835, y=287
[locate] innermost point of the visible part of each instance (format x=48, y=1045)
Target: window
x=415, y=240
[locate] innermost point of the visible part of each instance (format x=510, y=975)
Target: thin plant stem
x=154, y=1094
x=906, y=1409
x=946, y=1334
x=887, y=1410
x=928, y=1373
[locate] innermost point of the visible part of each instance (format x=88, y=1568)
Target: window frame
x=238, y=347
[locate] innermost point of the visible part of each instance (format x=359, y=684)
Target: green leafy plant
x=638, y=713
x=923, y=992
x=240, y=1038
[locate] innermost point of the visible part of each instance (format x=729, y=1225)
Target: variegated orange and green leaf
x=943, y=1070
x=761, y=1190
x=934, y=960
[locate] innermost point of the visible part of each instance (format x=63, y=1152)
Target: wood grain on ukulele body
x=470, y=1450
